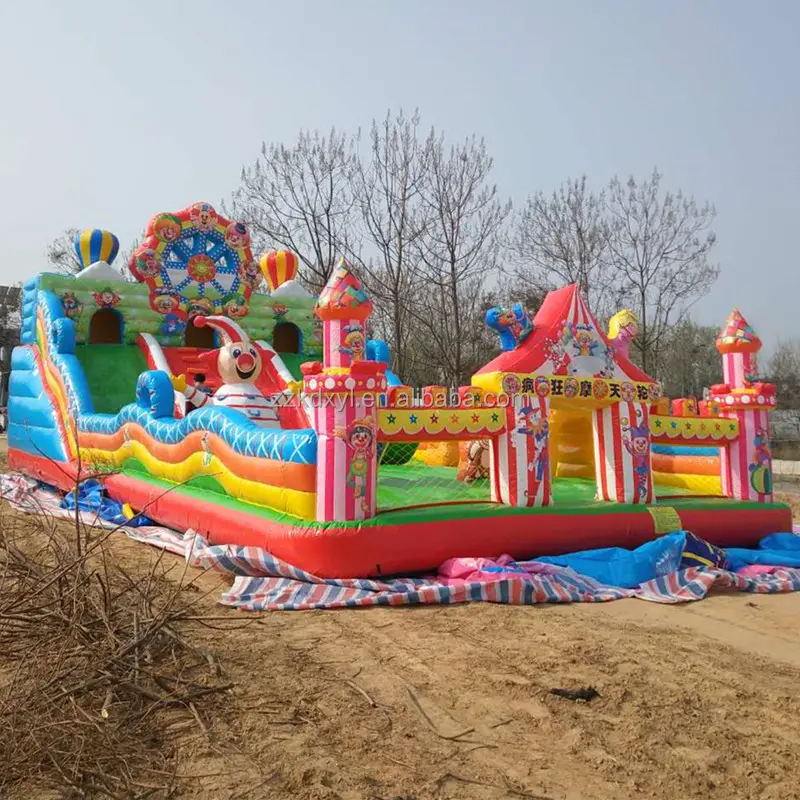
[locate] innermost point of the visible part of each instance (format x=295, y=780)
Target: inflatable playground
x=270, y=419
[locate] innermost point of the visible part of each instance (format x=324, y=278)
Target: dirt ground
x=455, y=702
x=695, y=701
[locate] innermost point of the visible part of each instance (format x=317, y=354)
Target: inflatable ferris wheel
x=196, y=262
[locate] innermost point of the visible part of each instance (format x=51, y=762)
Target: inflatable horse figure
x=239, y=363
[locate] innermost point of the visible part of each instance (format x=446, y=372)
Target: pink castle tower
x=344, y=309
x=738, y=345
x=746, y=464
x=345, y=393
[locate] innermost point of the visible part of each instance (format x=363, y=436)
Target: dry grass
x=694, y=702
x=794, y=502
x=96, y=676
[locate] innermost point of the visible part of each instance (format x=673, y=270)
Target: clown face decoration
x=239, y=365
x=239, y=362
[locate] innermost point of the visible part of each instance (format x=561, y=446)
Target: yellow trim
x=432, y=421
x=603, y=391
x=300, y=504
x=701, y=428
x=701, y=559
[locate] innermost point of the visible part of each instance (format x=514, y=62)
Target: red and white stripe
x=614, y=463
x=735, y=366
x=725, y=471
x=579, y=313
x=739, y=455
x=333, y=335
x=336, y=500
x=514, y=462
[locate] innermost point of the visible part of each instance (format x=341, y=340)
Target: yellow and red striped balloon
x=278, y=266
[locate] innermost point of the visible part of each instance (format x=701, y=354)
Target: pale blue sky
x=114, y=110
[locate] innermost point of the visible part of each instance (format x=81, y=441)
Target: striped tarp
x=264, y=583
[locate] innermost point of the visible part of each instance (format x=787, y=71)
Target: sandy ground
x=696, y=701
x=455, y=702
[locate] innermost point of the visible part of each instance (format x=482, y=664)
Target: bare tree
x=388, y=190
x=784, y=372
x=300, y=198
x=562, y=239
x=460, y=249
x=690, y=361
x=659, y=245
x=121, y=262
x=61, y=253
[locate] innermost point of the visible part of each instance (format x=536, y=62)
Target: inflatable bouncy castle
x=272, y=420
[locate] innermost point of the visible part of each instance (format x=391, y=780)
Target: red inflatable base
x=385, y=548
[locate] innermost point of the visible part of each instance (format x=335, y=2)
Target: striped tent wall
x=746, y=463
x=622, y=453
x=347, y=472
x=519, y=469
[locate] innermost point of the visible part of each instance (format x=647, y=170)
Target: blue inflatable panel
x=60, y=332
x=378, y=350
x=684, y=450
x=30, y=292
x=392, y=379
x=32, y=420
x=154, y=398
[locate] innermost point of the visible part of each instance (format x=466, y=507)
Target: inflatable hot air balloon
x=93, y=245
x=279, y=266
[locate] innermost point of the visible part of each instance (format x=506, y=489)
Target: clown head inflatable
x=238, y=361
x=239, y=364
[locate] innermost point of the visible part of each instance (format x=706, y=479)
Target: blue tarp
x=775, y=550
x=615, y=566
x=92, y=499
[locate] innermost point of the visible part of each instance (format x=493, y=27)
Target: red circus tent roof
x=566, y=340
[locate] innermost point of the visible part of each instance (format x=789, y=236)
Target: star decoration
x=413, y=419
x=391, y=419
x=454, y=418
x=434, y=418
x=495, y=417
x=476, y=419
x=658, y=423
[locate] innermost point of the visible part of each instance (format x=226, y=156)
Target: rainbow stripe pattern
x=276, y=469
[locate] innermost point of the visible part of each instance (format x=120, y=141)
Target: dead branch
x=450, y=738
x=92, y=659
